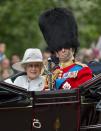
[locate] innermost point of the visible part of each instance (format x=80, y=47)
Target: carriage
x=54, y=110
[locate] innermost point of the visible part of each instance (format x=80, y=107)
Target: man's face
x=15, y=59
x=5, y=63
x=65, y=55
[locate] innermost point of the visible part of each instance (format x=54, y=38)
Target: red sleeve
x=83, y=75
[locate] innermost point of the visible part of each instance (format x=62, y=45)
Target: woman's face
x=65, y=54
x=33, y=70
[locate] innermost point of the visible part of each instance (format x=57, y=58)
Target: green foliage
x=19, y=21
x=88, y=17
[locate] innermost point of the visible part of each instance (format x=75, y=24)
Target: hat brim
x=19, y=65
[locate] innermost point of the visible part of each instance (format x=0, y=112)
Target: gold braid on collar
x=66, y=64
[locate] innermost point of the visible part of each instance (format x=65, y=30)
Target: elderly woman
x=32, y=64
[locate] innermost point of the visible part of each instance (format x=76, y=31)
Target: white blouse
x=31, y=85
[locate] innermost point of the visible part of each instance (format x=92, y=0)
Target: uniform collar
x=66, y=64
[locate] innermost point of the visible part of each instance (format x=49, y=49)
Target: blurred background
x=19, y=28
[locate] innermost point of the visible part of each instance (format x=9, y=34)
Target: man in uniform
x=59, y=29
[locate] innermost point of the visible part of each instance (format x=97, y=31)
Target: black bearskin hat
x=59, y=29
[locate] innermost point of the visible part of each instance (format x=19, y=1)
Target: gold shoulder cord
x=54, y=76
x=81, y=64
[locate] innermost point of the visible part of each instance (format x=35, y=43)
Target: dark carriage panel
x=13, y=96
x=56, y=110
x=62, y=110
x=15, y=109
x=90, y=111
x=90, y=117
x=15, y=119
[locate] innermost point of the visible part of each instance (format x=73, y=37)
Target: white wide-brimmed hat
x=30, y=55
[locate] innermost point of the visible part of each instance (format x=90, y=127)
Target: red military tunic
x=74, y=78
